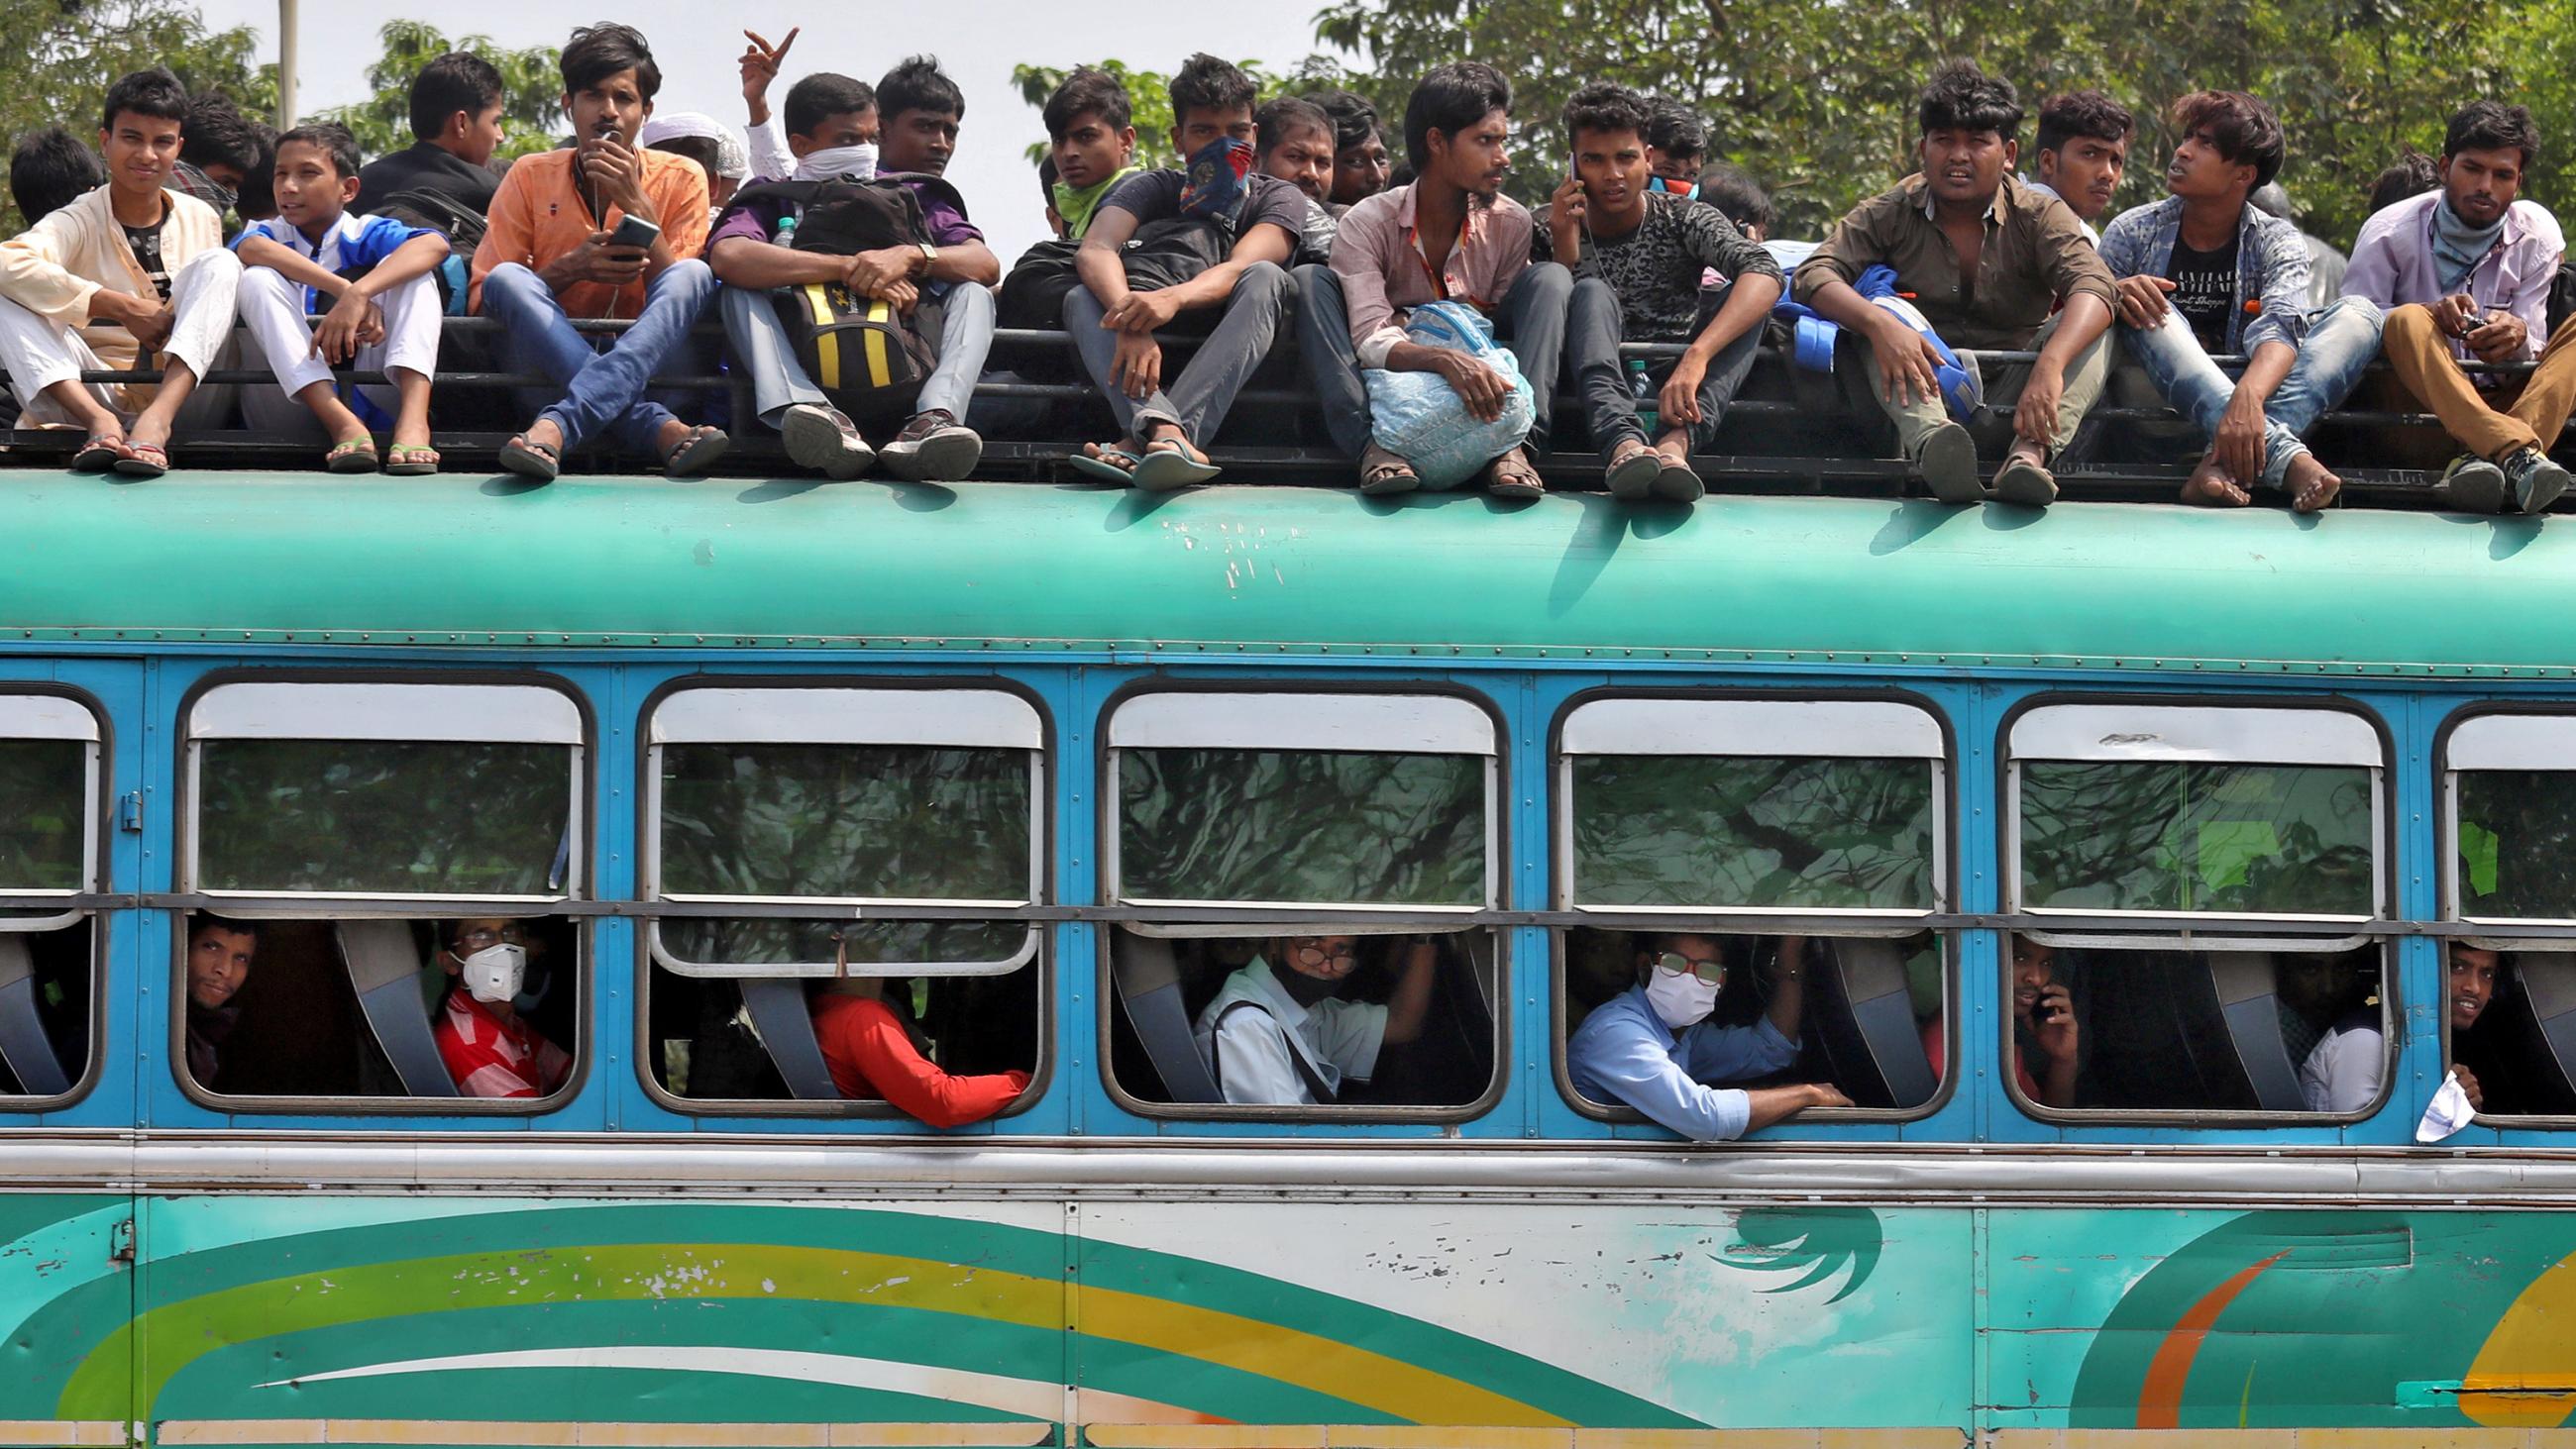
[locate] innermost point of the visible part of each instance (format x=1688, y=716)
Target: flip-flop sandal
x=403, y=461
x=98, y=453
x=1383, y=474
x=697, y=452
x=1514, y=478
x=1634, y=477
x=358, y=455
x=1167, y=465
x=1679, y=482
x=1101, y=468
x=531, y=460
x=141, y=460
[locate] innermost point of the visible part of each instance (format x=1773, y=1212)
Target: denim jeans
x=604, y=391
x=1530, y=320
x=1593, y=331
x=1198, y=396
x=2342, y=339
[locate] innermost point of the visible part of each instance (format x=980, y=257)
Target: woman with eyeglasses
x=1286, y=1038
x=1655, y=1049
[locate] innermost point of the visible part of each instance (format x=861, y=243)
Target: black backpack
x=451, y=217
x=869, y=358
x=2562, y=296
x=1161, y=254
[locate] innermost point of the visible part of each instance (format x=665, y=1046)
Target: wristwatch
x=929, y=255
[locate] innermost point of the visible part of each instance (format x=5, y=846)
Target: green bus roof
x=626, y=562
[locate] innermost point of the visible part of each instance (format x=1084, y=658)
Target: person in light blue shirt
x=1654, y=1048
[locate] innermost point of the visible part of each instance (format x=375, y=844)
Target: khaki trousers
x=2536, y=406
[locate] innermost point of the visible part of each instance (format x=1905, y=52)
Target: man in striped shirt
x=490, y=1050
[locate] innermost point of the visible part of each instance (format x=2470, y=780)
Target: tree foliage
x=1816, y=96
x=531, y=90
x=58, y=57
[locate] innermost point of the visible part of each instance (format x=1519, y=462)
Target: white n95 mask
x=495, y=973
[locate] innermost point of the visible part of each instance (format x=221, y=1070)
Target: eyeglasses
x=1312, y=953
x=1674, y=963
x=483, y=938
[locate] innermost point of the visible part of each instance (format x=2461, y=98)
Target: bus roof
x=264, y=558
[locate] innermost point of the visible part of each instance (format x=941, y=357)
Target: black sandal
x=531, y=460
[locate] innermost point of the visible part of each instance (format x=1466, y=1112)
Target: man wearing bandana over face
x=1655, y=1049
x=1258, y=219
x=489, y=1049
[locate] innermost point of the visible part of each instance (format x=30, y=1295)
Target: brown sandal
x=1511, y=476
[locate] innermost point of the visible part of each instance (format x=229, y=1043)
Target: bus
x=1046, y=763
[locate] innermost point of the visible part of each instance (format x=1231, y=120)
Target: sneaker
x=821, y=439
x=2024, y=482
x=1946, y=461
x=2535, y=480
x=2473, y=484
x=933, y=445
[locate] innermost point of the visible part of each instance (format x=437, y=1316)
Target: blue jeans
x=2342, y=339
x=604, y=391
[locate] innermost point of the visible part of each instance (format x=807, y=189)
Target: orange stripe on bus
x=2160, y=1397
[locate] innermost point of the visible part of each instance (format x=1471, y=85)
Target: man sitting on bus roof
x=1638, y=257
x=2043, y=286
x=1655, y=1049
x=1451, y=234
x=2463, y=272
x=489, y=1048
x=2079, y=152
x=1283, y=1041
x=126, y=276
x=552, y=254
x=1252, y=223
x=219, y=957
x=2204, y=272
x=869, y=1043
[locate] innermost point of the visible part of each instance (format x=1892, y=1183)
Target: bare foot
x=544, y=434
x=1674, y=445
x=2211, y=486
x=2311, y=486
x=1120, y=455
x=670, y=435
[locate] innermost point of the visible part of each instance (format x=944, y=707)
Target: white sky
x=697, y=44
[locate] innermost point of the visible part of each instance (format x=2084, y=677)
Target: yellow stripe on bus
x=564, y=1434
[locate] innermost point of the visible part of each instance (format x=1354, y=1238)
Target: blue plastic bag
x=1813, y=338
x=1420, y=418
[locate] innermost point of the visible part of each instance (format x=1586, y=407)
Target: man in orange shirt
x=870, y=1048
x=550, y=255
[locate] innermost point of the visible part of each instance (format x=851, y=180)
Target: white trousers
x=272, y=312
x=38, y=353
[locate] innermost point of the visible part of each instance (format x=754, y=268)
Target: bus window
x=50, y=783
x=379, y=862
x=2202, y=887
x=1299, y=861
x=1720, y=817
x=776, y=817
x=2509, y=1020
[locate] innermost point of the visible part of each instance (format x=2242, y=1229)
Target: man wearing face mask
x=1278, y=1039
x=1655, y=1049
x=489, y=1049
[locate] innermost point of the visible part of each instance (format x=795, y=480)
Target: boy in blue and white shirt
x=383, y=311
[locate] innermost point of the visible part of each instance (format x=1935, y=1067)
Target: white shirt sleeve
x=770, y=158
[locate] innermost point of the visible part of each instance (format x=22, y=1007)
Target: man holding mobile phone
x=2463, y=272
x=601, y=229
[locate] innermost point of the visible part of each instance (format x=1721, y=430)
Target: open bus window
x=1723, y=815
x=843, y=803
x=381, y=859
x=2183, y=1031
x=50, y=788
x=1295, y=858
x=2510, y=1001
x=2218, y=873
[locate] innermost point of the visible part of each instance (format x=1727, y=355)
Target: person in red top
x=489, y=1049
x=872, y=1053
x=2043, y=1028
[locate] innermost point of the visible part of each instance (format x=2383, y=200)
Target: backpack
x=869, y=358
x=1161, y=254
x=2562, y=296
x=452, y=218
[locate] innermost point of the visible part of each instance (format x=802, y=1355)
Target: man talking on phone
x=601, y=229
x=2463, y=272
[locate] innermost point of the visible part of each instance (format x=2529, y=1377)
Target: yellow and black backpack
x=870, y=358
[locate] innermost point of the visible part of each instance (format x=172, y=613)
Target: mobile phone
x=633, y=231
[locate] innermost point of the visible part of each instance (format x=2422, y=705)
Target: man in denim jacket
x=2203, y=273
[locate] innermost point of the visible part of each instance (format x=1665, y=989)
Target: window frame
x=1042, y=960
x=1227, y=919
x=1791, y=706
x=97, y=872
x=2166, y=930
x=652, y=733
x=2553, y=934
x=577, y=888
